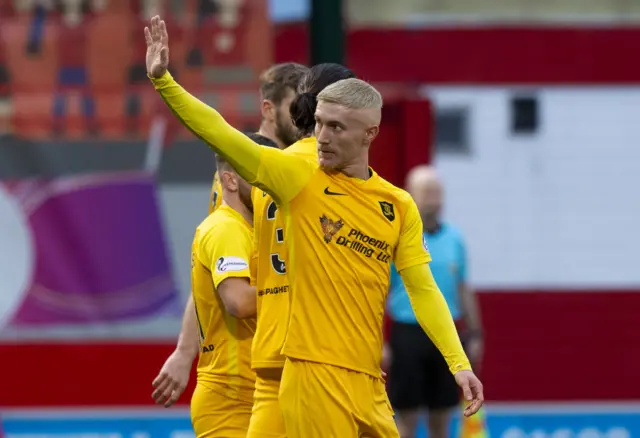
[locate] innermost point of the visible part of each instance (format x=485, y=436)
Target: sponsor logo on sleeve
x=231, y=264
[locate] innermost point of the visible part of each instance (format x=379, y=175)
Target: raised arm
x=281, y=175
x=207, y=124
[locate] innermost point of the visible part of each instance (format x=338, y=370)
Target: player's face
x=285, y=129
x=343, y=135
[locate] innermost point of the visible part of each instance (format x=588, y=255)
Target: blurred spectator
x=219, y=39
x=72, y=71
x=419, y=376
x=137, y=81
x=39, y=10
x=207, y=9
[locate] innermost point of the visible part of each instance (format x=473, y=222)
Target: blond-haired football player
x=224, y=304
x=346, y=224
x=270, y=261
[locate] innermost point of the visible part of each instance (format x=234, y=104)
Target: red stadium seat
x=108, y=49
x=32, y=114
x=110, y=114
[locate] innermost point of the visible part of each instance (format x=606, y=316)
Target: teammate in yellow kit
x=270, y=261
x=278, y=86
x=346, y=224
x=225, y=309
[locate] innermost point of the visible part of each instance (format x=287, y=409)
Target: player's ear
x=233, y=182
x=268, y=110
x=371, y=133
x=229, y=180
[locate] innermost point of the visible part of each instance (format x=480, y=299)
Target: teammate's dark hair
x=276, y=80
x=223, y=165
x=262, y=140
x=320, y=76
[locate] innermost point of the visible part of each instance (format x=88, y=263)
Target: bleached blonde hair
x=352, y=93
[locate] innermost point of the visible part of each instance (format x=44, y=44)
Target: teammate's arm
x=226, y=250
x=188, y=342
x=281, y=175
x=173, y=378
x=238, y=297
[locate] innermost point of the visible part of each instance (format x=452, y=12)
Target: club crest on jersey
x=387, y=210
x=329, y=227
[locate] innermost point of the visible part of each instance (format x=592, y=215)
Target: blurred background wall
x=529, y=109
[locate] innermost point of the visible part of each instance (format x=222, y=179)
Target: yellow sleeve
x=281, y=175
x=412, y=247
x=433, y=315
x=226, y=251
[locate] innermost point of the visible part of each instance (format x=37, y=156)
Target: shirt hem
x=302, y=357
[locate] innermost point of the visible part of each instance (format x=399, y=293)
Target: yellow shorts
x=323, y=401
x=215, y=416
x=266, y=417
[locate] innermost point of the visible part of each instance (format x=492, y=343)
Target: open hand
x=471, y=391
x=157, y=40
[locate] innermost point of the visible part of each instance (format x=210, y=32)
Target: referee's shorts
x=419, y=376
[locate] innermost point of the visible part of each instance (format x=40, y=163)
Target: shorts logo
x=387, y=210
x=230, y=264
x=329, y=227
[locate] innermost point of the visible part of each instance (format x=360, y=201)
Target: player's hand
x=172, y=379
x=157, y=47
x=471, y=390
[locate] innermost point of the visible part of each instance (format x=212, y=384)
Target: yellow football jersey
x=215, y=198
x=269, y=261
x=222, y=249
x=343, y=234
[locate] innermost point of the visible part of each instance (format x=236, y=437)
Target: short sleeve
x=412, y=247
x=226, y=251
